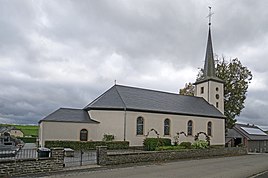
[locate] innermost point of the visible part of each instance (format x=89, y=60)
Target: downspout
x=125, y=122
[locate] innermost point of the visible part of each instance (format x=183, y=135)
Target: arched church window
x=139, y=126
x=167, y=127
x=83, y=135
x=209, y=131
x=190, y=128
x=217, y=89
x=217, y=96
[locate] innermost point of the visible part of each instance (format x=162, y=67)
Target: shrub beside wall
x=150, y=144
x=28, y=139
x=186, y=145
x=90, y=145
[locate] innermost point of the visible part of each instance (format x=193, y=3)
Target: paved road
x=29, y=146
x=240, y=166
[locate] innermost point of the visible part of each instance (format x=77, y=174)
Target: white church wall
x=111, y=122
x=178, y=123
x=64, y=131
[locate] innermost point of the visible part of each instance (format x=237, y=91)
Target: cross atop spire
x=209, y=15
x=209, y=67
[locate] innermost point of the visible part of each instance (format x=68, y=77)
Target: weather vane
x=209, y=16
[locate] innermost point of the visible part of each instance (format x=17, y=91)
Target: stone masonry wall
x=33, y=166
x=112, y=159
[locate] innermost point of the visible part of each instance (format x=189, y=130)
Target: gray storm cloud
x=65, y=53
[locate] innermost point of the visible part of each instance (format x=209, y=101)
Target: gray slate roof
x=238, y=128
x=121, y=97
x=69, y=115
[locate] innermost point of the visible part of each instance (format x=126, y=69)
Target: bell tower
x=210, y=87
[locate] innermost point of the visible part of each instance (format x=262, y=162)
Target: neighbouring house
x=8, y=136
x=13, y=131
x=16, y=132
x=254, y=138
x=129, y=113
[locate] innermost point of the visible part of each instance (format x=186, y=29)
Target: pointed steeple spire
x=209, y=67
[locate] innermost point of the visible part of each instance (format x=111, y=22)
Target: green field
x=28, y=130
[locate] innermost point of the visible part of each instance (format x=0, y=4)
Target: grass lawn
x=28, y=130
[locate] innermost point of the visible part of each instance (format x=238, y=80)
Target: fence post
x=101, y=155
x=58, y=155
x=81, y=157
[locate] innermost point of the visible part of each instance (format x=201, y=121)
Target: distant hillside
x=28, y=130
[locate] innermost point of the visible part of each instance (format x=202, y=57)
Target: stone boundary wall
x=123, y=158
x=27, y=167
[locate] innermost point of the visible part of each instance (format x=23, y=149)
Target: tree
x=188, y=89
x=237, y=78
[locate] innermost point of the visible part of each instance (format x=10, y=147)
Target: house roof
x=69, y=115
x=251, y=132
x=231, y=133
x=121, y=97
x=6, y=128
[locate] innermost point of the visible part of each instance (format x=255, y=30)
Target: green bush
x=28, y=139
x=150, y=144
x=186, y=145
x=163, y=148
x=90, y=145
x=200, y=144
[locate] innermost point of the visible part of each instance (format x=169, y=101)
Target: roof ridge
x=159, y=91
x=70, y=108
x=96, y=99
x=248, y=125
x=121, y=98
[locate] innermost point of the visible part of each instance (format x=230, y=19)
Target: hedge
x=150, y=144
x=28, y=139
x=90, y=145
x=187, y=145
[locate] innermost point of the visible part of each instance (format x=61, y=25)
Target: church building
x=129, y=113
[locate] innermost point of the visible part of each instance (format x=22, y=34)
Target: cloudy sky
x=66, y=53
